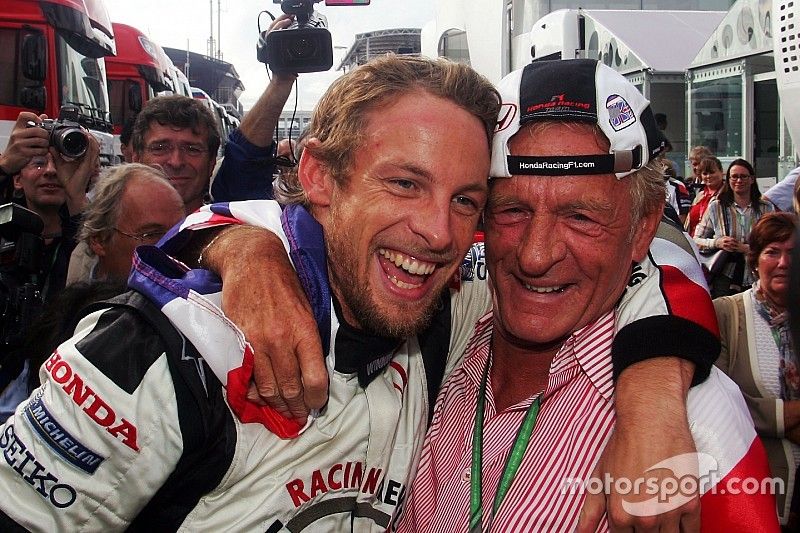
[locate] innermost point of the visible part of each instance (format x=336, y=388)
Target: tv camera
x=306, y=45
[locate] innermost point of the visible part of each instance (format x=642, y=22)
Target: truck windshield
x=83, y=84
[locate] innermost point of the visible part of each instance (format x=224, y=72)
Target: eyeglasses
x=740, y=177
x=38, y=162
x=189, y=150
x=150, y=236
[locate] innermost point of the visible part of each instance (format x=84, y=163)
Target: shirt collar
x=589, y=348
x=477, y=351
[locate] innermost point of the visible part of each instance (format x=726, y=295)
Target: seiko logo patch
x=59, y=439
x=33, y=472
x=84, y=397
x=620, y=114
x=508, y=112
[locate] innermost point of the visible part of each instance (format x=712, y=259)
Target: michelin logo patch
x=59, y=439
x=620, y=114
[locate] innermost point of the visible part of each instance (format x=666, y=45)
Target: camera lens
x=71, y=142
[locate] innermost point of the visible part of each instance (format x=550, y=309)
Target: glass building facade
x=732, y=94
x=725, y=98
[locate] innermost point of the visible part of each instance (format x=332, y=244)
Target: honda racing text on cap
x=576, y=90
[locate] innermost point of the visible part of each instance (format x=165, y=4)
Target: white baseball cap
x=575, y=90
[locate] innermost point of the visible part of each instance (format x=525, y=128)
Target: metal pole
x=211, y=28
x=219, y=31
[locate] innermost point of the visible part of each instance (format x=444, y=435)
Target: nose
x=434, y=223
x=175, y=158
x=785, y=260
x=50, y=168
x=541, y=246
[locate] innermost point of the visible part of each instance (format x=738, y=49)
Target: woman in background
x=758, y=352
x=726, y=225
x=713, y=177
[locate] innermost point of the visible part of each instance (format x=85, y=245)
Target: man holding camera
x=53, y=187
x=246, y=172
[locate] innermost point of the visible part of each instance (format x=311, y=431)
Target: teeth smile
x=403, y=284
x=544, y=290
x=409, y=264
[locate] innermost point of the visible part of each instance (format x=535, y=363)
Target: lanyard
x=512, y=462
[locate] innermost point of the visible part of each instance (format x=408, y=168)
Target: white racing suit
x=133, y=426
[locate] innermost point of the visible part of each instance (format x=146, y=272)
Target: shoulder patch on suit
x=122, y=346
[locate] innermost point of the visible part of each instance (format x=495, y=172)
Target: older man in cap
x=575, y=202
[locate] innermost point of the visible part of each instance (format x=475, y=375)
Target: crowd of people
x=334, y=350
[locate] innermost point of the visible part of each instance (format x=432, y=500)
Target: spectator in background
x=694, y=181
x=781, y=194
x=796, y=199
x=133, y=205
x=52, y=188
x=53, y=326
x=758, y=352
x=252, y=155
x=677, y=195
x=284, y=159
x=125, y=135
x=178, y=134
x=727, y=223
x=710, y=170
x=661, y=124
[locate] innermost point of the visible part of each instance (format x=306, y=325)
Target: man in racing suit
x=142, y=421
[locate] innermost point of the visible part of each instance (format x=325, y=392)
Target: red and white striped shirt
x=574, y=423
x=572, y=428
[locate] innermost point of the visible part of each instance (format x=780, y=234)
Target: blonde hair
x=339, y=120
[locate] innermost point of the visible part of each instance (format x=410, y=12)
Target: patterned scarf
x=779, y=326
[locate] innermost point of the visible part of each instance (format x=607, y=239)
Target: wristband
x=677, y=337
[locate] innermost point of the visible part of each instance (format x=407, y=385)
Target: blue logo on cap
x=620, y=114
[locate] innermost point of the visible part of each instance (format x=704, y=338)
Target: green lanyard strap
x=512, y=462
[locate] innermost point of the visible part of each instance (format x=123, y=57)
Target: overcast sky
x=182, y=23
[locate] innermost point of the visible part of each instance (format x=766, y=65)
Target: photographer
x=52, y=187
x=23, y=144
x=247, y=170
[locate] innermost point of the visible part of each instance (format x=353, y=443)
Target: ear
x=314, y=177
x=17, y=182
x=645, y=233
x=97, y=247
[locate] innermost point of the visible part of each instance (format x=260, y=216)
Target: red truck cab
x=135, y=75
x=51, y=55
